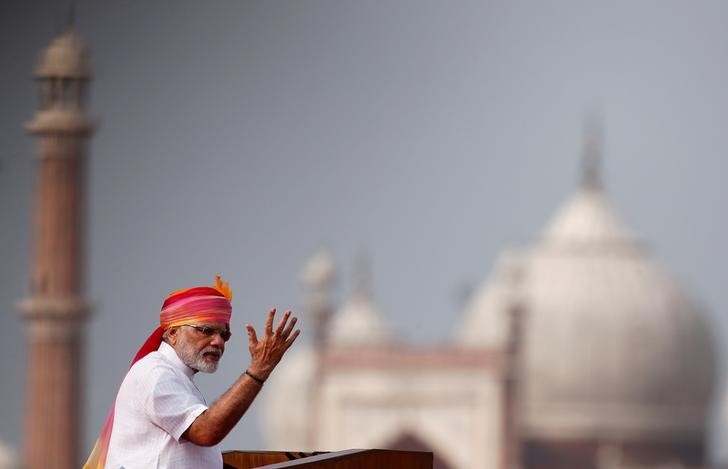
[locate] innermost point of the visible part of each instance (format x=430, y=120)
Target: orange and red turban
x=196, y=305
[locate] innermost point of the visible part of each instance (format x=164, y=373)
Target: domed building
x=579, y=351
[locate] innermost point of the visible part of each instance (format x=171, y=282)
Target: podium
x=348, y=459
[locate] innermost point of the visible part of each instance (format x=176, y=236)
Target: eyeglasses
x=211, y=331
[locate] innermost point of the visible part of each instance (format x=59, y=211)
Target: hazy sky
x=240, y=137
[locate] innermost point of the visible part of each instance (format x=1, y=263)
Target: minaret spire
x=591, y=157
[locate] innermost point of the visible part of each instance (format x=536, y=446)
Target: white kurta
x=157, y=402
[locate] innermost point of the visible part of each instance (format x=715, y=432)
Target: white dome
x=485, y=322
x=612, y=346
x=359, y=323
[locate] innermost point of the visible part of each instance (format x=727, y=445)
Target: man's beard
x=196, y=360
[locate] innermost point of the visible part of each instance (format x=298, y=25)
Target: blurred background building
x=579, y=351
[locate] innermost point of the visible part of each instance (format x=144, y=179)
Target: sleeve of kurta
x=172, y=402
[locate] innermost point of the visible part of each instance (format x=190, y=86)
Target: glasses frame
x=207, y=331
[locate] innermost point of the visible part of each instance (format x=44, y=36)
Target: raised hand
x=268, y=351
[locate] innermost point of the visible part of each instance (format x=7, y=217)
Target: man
x=160, y=418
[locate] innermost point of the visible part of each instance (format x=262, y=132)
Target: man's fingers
x=269, y=322
x=252, y=336
x=291, y=339
x=282, y=322
x=289, y=327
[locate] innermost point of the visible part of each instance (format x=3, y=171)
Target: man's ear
x=173, y=335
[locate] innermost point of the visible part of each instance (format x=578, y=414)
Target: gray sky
x=239, y=137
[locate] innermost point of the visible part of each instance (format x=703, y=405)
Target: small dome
x=612, y=345
x=358, y=322
x=66, y=57
x=484, y=321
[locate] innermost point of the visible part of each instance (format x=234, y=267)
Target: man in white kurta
x=160, y=419
x=157, y=402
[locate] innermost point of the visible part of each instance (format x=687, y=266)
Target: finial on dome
x=362, y=276
x=591, y=157
x=71, y=15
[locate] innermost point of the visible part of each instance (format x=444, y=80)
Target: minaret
x=55, y=309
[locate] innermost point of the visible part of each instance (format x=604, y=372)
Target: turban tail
x=192, y=305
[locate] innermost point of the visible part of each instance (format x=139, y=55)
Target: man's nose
x=217, y=340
